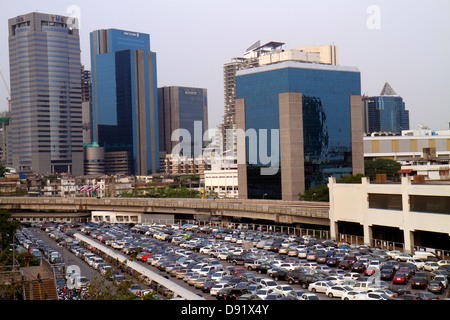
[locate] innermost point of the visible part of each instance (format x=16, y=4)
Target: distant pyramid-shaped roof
x=388, y=91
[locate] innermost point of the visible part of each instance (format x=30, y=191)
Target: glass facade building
x=124, y=97
x=182, y=108
x=314, y=124
x=385, y=113
x=45, y=132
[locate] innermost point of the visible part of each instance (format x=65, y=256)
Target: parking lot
x=230, y=264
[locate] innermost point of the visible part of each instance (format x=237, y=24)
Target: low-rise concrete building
x=402, y=215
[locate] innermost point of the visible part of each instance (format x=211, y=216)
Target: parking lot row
x=247, y=264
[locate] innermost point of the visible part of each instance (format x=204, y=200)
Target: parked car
x=419, y=282
x=443, y=279
x=435, y=286
x=235, y=293
x=320, y=286
x=344, y=264
x=430, y=266
x=426, y=296
x=217, y=287
x=358, y=267
x=337, y=291
x=400, y=278
x=309, y=296
x=283, y=289
x=387, y=274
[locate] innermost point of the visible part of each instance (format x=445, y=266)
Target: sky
x=405, y=43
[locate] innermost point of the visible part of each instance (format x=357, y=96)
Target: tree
x=3, y=170
x=318, y=193
x=382, y=166
x=8, y=229
x=322, y=193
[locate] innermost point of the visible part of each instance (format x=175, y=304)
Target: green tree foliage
x=8, y=229
x=3, y=170
x=318, y=193
x=382, y=166
x=321, y=193
x=164, y=192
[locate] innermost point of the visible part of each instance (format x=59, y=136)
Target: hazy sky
x=405, y=43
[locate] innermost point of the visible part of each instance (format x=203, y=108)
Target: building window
x=432, y=204
x=385, y=201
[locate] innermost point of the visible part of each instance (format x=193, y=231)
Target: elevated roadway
x=279, y=211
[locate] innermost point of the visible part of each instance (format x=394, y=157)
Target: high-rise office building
x=182, y=108
x=259, y=55
x=124, y=98
x=86, y=104
x=45, y=132
x=385, y=112
x=303, y=123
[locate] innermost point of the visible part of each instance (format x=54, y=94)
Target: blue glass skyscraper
x=385, y=112
x=315, y=109
x=124, y=97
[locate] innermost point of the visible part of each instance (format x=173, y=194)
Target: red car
x=400, y=278
x=144, y=256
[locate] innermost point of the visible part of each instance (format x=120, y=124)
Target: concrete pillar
x=333, y=223
x=357, y=131
x=291, y=145
x=241, y=149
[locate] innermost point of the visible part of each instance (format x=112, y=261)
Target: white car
x=419, y=263
x=350, y=295
x=402, y=257
x=443, y=262
x=320, y=286
x=302, y=253
x=205, y=250
x=309, y=296
x=372, y=296
x=443, y=279
x=217, y=287
x=351, y=276
x=268, y=283
x=283, y=289
x=334, y=280
x=430, y=266
x=337, y=291
x=393, y=253
x=263, y=292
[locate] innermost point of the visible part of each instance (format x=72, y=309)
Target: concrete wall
x=349, y=202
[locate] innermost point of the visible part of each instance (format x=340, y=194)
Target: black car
x=222, y=294
x=263, y=268
x=408, y=296
x=419, y=282
x=332, y=261
x=206, y=288
x=279, y=274
x=344, y=264
x=305, y=279
x=387, y=274
x=235, y=293
x=358, y=267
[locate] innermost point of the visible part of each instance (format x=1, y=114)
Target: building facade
x=124, y=97
x=308, y=113
x=385, y=112
x=45, y=132
x=183, y=108
x=391, y=215
x=409, y=145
